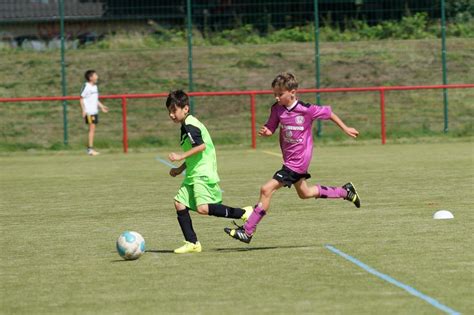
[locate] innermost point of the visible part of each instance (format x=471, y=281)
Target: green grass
x=237, y=67
x=62, y=212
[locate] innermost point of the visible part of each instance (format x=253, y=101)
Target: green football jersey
x=200, y=167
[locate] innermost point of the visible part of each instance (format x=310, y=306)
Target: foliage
x=415, y=26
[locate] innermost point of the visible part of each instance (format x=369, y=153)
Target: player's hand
x=351, y=132
x=264, y=132
x=175, y=171
x=105, y=109
x=175, y=157
x=84, y=114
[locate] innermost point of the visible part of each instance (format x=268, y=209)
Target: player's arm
x=272, y=124
x=194, y=150
x=351, y=132
x=265, y=132
x=83, y=107
x=178, y=170
x=195, y=137
x=103, y=108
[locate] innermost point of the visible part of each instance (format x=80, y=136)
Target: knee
x=179, y=206
x=203, y=209
x=265, y=191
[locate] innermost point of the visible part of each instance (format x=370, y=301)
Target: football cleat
x=92, y=152
x=239, y=234
x=352, y=194
x=189, y=247
x=246, y=215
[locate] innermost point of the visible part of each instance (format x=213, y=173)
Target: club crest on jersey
x=299, y=120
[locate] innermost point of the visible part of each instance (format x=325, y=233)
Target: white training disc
x=442, y=215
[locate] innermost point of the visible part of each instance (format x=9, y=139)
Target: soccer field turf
x=62, y=212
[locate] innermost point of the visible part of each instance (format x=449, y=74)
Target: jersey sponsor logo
x=299, y=120
x=292, y=141
x=89, y=93
x=288, y=133
x=289, y=127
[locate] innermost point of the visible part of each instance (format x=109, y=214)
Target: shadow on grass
x=235, y=249
x=245, y=249
x=159, y=251
x=226, y=250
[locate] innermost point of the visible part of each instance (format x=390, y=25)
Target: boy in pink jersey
x=296, y=142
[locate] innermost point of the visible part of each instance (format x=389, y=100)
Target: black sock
x=224, y=211
x=186, y=225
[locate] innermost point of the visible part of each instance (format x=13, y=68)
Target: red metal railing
x=252, y=94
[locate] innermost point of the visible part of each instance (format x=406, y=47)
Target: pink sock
x=331, y=192
x=254, y=219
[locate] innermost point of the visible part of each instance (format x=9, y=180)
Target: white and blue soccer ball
x=130, y=245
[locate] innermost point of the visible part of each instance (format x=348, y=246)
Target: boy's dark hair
x=285, y=81
x=177, y=98
x=88, y=74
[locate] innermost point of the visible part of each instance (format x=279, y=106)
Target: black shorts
x=92, y=119
x=288, y=177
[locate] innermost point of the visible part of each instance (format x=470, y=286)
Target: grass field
x=62, y=212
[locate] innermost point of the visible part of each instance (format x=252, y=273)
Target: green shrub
x=242, y=35
x=415, y=26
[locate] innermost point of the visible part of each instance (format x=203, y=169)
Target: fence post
x=190, y=52
x=382, y=115
x=443, y=58
x=253, y=120
x=124, y=125
x=63, y=72
x=317, y=62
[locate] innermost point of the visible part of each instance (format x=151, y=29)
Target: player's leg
x=222, y=211
x=266, y=192
x=183, y=202
x=245, y=232
x=284, y=177
x=209, y=200
x=91, y=135
x=263, y=206
x=347, y=192
x=304, y=191
x=91, y=121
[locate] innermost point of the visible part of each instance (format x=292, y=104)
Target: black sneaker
x=239, y=234
x=352, y=194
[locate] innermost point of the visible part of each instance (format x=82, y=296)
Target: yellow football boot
x=248, y=212
x=189, y=247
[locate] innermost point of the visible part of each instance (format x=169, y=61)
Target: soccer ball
x=130, y=245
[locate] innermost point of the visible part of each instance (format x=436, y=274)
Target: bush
x=242, y=35
x=409, y=27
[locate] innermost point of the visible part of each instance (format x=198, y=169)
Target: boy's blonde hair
x=285, y=81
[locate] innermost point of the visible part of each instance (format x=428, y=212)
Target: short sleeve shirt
x=296, y=136
x=200, y=167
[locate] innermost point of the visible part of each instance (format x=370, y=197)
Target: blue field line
x=165, y=162
x=171, y=165
x=389, y=279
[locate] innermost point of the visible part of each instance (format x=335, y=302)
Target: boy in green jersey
x=200, y=189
